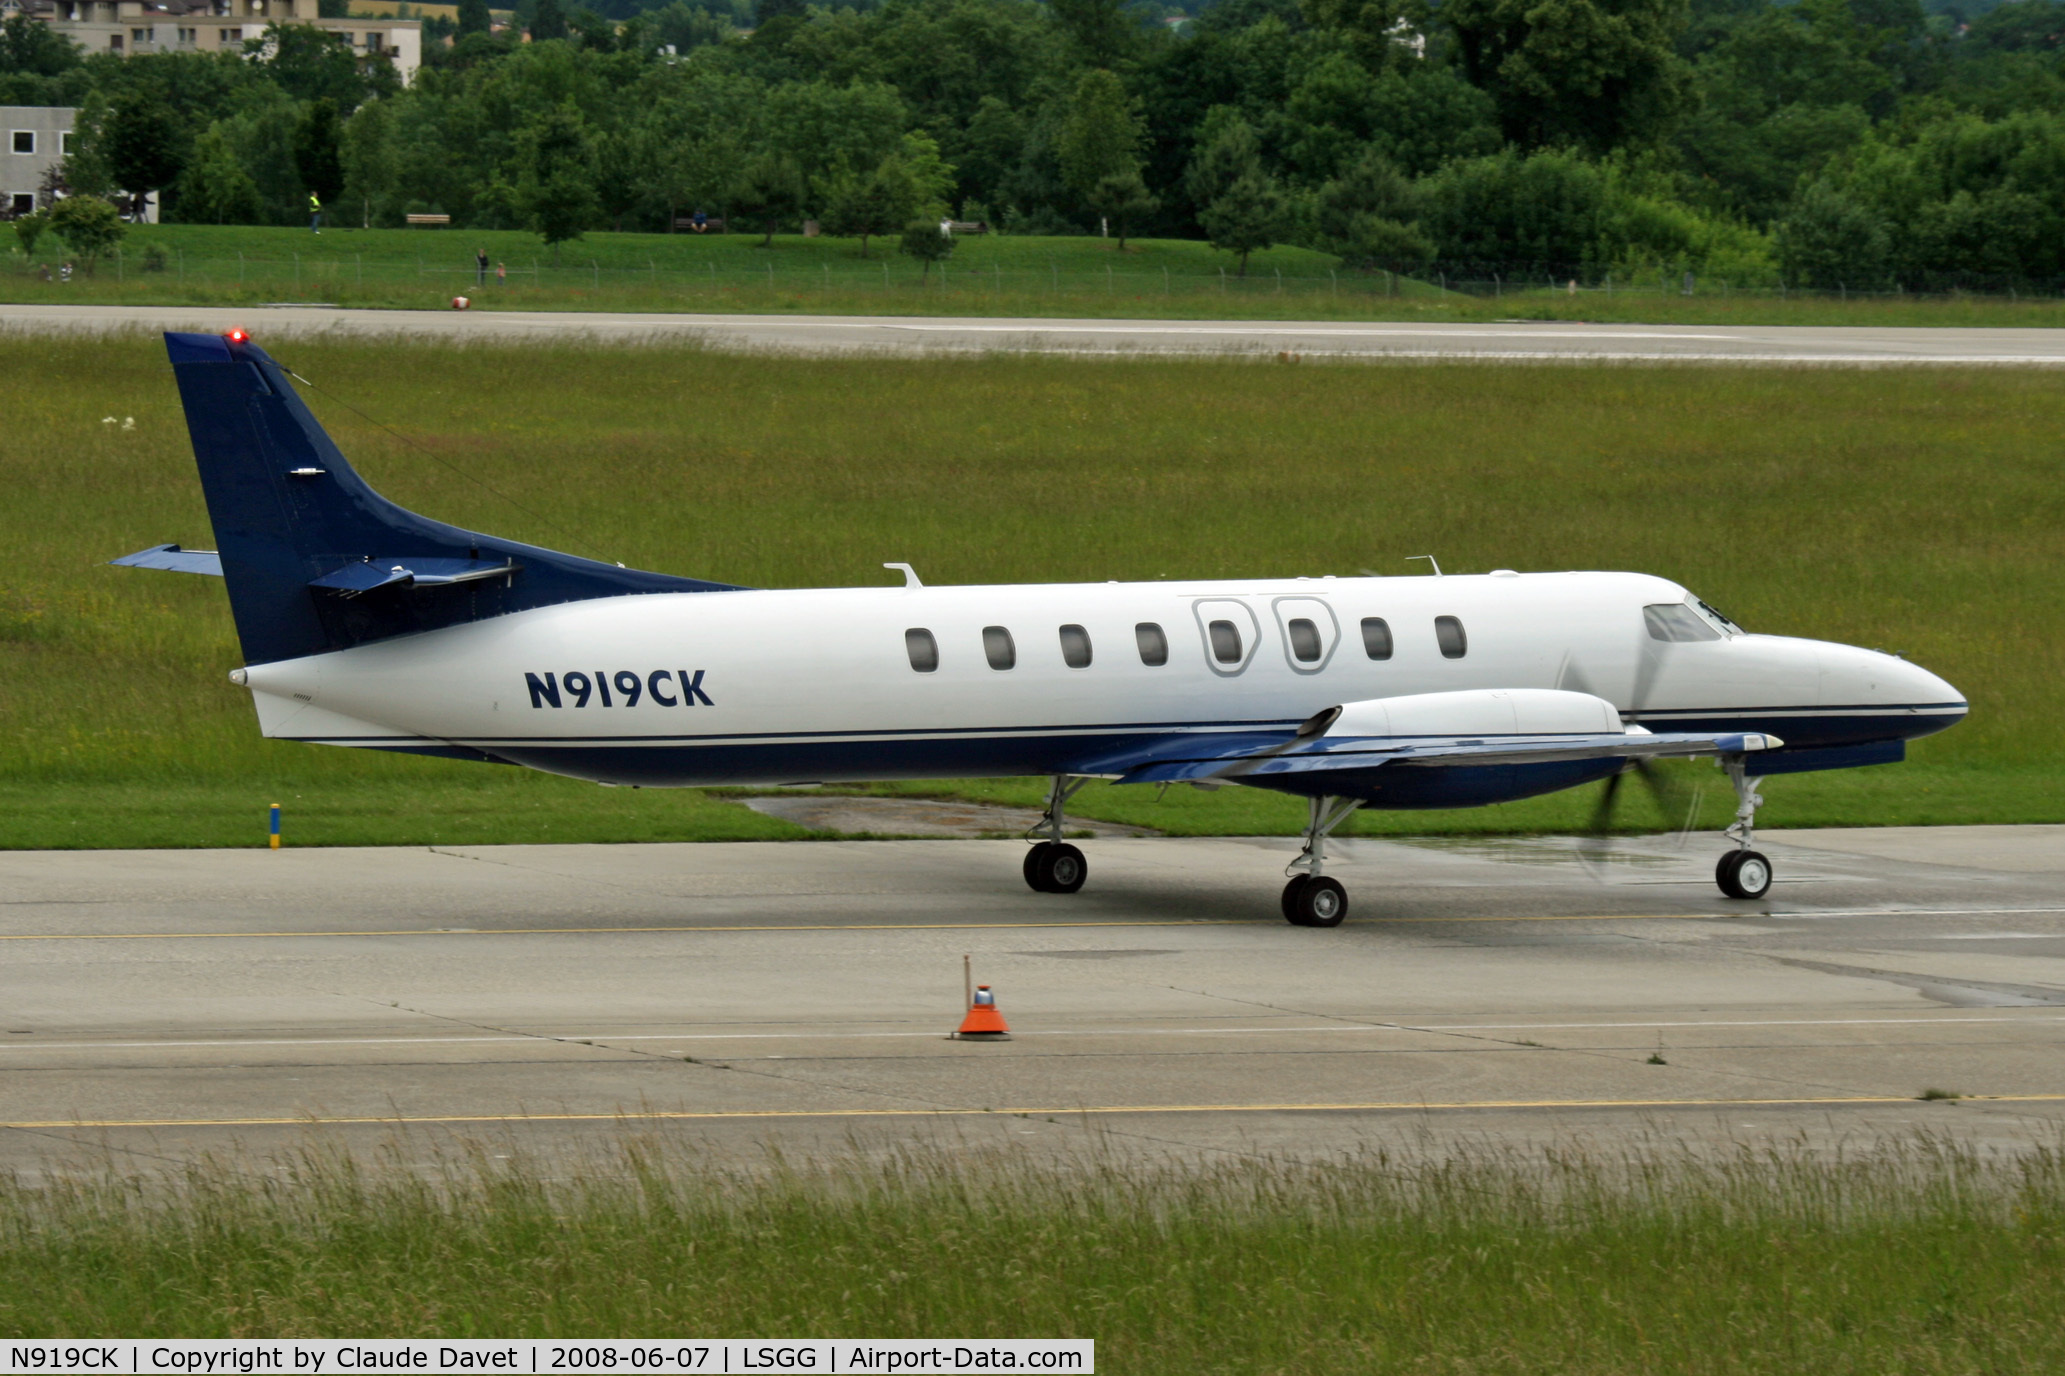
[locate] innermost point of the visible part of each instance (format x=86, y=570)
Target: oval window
x=1154, y=646
x=1075, y=647
x=922, y=648
x=997, y=647
x=1448, y=633
x=1225, y=642
x=1305, y=642
x=1376, y=637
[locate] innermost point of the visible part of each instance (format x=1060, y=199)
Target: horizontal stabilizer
x=173, y=559
x=407, y=571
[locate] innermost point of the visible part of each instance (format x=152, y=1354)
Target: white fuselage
x=820, y=685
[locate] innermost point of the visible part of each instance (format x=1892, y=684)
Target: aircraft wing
x=1206, y=759
x=174, y=559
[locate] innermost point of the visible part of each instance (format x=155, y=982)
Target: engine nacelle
x=1480, y=712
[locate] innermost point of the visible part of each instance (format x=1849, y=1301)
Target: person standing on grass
x=315, y=213
x=480, y=275
x=501, y=274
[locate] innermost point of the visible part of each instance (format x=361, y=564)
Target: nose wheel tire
x=1290, y=898
x=1055, y=867
x=1310, y=902
x=1743, y=874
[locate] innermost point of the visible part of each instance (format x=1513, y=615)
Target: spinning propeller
x=1672, y=798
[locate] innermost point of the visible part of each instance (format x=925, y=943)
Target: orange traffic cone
x=984, y=1022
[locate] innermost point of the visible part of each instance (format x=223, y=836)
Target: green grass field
x=987, y=275
x=1921, y=511
x=1915, y=1258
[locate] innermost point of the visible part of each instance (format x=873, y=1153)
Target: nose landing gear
x=1052, y=865
x=1312, y=899
x=1743, y=872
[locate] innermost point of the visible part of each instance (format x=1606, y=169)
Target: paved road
x=1517, y=342
x=158, y=1004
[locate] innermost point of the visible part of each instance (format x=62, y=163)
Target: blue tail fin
x=316, y=560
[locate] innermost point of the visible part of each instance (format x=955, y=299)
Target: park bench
x=969, y=226
x=429, y=221
x=712, y=224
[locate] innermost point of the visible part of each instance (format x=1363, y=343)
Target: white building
x=38, y=138
x=156, y=26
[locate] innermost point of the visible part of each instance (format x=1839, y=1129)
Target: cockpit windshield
x=1714, y=616
x=1689, y=620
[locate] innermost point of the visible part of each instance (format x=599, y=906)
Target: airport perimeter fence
x=319, y=277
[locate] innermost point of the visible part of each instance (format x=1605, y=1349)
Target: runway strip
x=1510, y=342
x=611, y=1038
x=1485, y=993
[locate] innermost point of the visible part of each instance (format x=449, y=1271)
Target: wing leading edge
x=1361, y=755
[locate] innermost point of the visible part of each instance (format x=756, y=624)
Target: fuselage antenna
x=910, y=575
x=1429, y=558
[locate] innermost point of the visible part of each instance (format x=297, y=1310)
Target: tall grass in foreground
x=1918, y=1257
x=1920, y=510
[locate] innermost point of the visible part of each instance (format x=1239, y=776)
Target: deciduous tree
x=1598, y=74
x=555, y=188
x=1102, y=133
x=89, y=226
x=1124, y=200
x=926, y=242
x=316, y=154
x=768, y=191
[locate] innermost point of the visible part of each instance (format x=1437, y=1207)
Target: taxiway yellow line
x=718, y=1115
x=1001, y=926
x=601, y=931
x=814, y=927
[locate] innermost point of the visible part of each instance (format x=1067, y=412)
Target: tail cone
x=984, y=1022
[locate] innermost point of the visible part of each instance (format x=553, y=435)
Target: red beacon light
x=238, y=336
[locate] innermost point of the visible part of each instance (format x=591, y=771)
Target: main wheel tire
x=1061, y=868
x=1322, y=902
x=1744, y=874
x=1032, y=866
x=1290, y=898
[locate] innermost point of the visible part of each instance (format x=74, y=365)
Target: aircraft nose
x=1872, y=678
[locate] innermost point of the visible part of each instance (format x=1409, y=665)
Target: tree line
x=1865, y=144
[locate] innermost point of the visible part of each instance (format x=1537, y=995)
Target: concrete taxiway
x=1511, y=341
x=155, y=1005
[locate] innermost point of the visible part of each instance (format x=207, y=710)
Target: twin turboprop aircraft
x=363, y=624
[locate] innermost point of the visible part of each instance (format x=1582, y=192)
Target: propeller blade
x=1602, y=815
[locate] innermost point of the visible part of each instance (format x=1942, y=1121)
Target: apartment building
x=154, y=26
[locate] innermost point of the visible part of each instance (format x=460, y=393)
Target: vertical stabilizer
x=314, y=559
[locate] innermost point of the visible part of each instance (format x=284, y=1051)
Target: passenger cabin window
x=922, y=648
x=1075, y=647
x=1676, y=621
x=997, y=647
x=1225, y=642
x=1154, y=646
x=1448, y=633
x=1376, y=637
x=1305, y=643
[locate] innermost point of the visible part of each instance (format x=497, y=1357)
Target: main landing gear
x=1743, y=872
x=1312, y=899
x=1052, y=865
